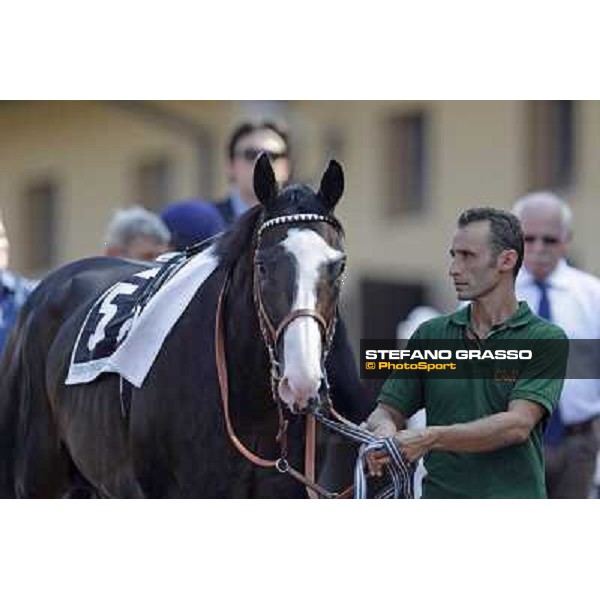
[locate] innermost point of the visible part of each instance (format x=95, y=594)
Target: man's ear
x=265, y=184
x=507, y=259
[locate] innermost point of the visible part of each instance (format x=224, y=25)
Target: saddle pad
x=126, y=327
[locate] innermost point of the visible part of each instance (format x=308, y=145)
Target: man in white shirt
x=569, y=298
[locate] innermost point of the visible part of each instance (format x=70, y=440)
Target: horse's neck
x=247, y=359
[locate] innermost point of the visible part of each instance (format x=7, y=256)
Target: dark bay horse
x=278, y=274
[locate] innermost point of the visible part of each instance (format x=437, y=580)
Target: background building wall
x=477, y=153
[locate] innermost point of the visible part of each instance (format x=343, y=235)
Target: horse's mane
x=238, y=238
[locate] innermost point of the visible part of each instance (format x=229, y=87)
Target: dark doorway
x=384, y=304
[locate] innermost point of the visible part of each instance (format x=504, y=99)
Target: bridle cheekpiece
x=271, y=335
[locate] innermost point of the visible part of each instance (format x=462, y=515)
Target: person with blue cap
x=191, y=221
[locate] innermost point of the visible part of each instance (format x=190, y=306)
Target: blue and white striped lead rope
x=400, y=471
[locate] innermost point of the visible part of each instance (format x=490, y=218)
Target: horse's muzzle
x=300, y=401
x=320, y=404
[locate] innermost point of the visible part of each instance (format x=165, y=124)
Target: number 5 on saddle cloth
x=126, y=326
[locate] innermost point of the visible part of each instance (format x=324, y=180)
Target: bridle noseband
x=271, y=334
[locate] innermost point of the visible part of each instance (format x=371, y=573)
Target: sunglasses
x=251, y=154
x=547, y=240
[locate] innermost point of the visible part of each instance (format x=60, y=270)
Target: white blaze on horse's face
x=302, y=345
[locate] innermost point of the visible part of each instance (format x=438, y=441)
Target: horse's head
x=298, y=265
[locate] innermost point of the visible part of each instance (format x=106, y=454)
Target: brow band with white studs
x=299, y=218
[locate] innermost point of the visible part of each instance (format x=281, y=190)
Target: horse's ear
x=265, y=184
x=332, y=184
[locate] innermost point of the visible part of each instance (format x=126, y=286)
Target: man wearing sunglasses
x=246, y=144
x=569, y=298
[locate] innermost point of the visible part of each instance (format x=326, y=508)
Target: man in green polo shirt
x=484, y=436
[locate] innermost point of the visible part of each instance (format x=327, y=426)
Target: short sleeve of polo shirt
x=405, y=394
x=542, y=378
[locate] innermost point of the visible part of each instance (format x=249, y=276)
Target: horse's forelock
x=294, y=199
x=298, y=199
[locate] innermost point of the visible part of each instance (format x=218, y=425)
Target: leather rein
x=271, y=337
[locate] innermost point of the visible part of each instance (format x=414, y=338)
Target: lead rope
x=401, y=472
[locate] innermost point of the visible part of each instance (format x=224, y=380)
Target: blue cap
x=191, y=222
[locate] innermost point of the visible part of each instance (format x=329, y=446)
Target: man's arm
x=483, y=435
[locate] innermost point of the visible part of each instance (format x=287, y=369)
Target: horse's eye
x=337, y=268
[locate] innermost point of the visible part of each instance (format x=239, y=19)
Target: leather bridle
x=271, y=336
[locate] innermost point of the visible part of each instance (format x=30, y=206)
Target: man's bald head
x=547, y=223
x=546, y=204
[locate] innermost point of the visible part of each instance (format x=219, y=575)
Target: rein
x=281, y=463
x=400, y=471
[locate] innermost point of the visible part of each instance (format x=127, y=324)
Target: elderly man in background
x=138, y=234
x=569, y=298
x=14, y=289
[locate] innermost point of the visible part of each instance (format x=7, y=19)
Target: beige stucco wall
x=477, y=157
x=92, y=149
x=473, y=161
